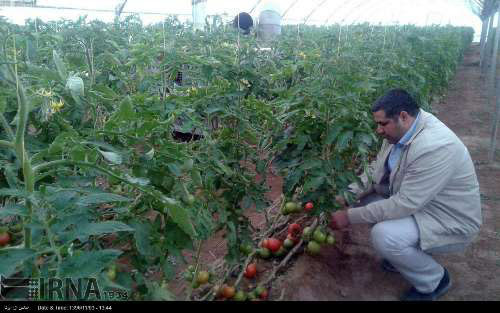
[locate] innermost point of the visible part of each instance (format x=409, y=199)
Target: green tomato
x=288, y=243
x=111, y=274
x=330, y=240
x=240, y=296
x=264, y=253
x=190, y=199
x=313, y=247
x=188, y=276
x=319, y=236
x=246, y=248
x=290, y=206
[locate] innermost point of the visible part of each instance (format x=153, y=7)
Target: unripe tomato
x=240, y=296
x=190, y=199
x=264, y=253
x=111, y=273
x=313, y=247
x=290, y=206
x=307, y=231
x=330, y=240
x=191, y=268
x=308, y=207
x=4, y=238
x=288, y=243
x=319, y=236
x=250, y=271
x=246, y=248
x=203, y=277
x=259, y=290
x=273, y=244
x=228, y=291
x=280, y=252
x=294, y=229
x=188, y=276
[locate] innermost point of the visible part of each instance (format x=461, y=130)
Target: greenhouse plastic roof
x=319, y=12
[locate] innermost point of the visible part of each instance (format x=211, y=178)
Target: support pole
x=484, y=31
x=494, y=79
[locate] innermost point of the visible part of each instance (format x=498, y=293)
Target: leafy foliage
x=106, y=173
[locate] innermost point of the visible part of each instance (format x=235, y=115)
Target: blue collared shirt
x=398, y=147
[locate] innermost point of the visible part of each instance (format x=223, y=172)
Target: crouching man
x=424, y=197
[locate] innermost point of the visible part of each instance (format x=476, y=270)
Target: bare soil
x=350, y=270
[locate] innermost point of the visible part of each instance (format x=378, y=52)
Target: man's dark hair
x=396, y=101
x=243, y=21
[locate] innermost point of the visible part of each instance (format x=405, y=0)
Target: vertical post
x=493, y=78
x=484, y=31
x=488, y=44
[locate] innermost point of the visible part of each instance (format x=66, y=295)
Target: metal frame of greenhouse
x=486, y=10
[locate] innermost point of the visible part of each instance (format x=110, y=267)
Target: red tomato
x=251, y=271
x=294, y=229
x=4, y=238
x=264, y=295
x=292, y=238
x=273, y=244
x=265, y=243
x=228, y=292
x=309, y=206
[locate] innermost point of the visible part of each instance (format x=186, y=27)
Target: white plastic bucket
x=269, y=25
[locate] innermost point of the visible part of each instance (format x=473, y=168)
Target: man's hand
x=340, y=200
x=339, y=220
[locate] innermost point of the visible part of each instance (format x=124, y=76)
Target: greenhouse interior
x=262, y=150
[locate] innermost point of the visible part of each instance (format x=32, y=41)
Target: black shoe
x=444, y=285
x=388, y=267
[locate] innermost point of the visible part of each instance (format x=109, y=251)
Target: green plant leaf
x=82, y=232
x=180, y=216
x=175, y=169
x=12, y=210
x=344, y=140
x=137, y=180
x=112, y=157
x=11, y=258
x=98, y=198
x=142, y=236
x=88, y=263
x=333, y=134
x=159, y=293
x=14, y=193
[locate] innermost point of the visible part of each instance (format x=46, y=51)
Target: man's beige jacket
x=434, y=181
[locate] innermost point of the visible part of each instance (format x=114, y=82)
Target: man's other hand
x=339, y=220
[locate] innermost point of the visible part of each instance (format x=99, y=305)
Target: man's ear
x=404, y=116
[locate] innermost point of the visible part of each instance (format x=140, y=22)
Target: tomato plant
x=107, y=154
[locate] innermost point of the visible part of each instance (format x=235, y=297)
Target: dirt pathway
x=351, y=270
